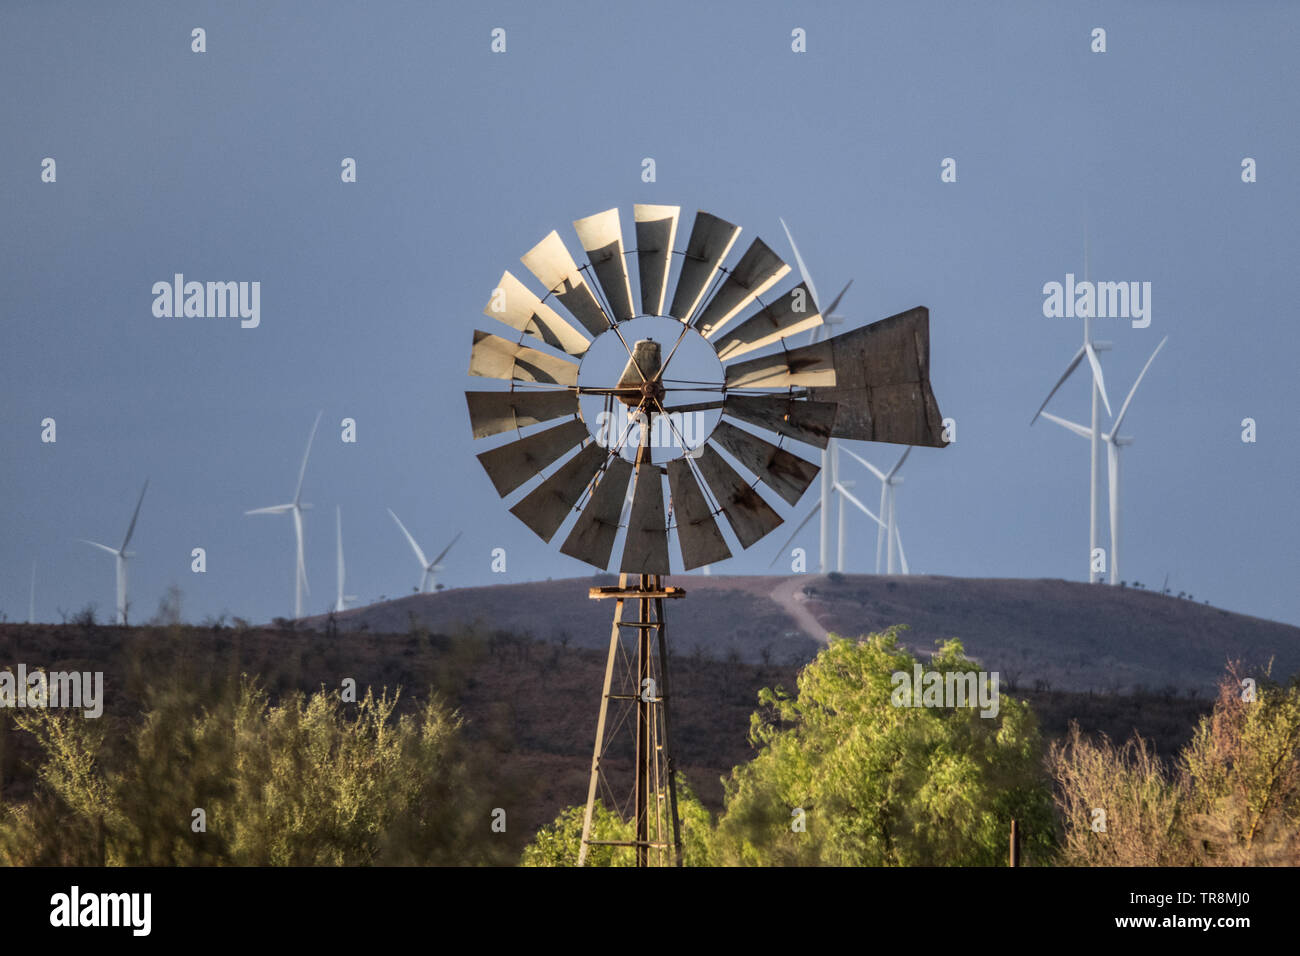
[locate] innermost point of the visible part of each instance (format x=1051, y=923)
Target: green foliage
x=307, y=780
x=557, y=843
x=881, y=785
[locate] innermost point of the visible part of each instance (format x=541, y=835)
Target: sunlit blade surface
x=786, y=474
x=807, y=366
x=645, y=550
x=749, y=515
x=656, y=231
x=419, y=552
x=518, y=306
x=592, y=537
x=545, y=507
x=602, y=239
x=711, y=240
x=757, y=271
x=491, y=413
x=550, y=261
x=495, y=357
x=698, y=535
x=514, y=463
x=789, y=315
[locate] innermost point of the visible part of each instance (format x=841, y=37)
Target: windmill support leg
x=645, y=686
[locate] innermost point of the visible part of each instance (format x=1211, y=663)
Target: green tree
x=844, y=777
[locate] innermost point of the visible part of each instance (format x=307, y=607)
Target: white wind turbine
x=889, y=542
x=120, y=553
x=428, y=569
x=1114, y=442
x=340, y=603
x=296, y=508
x=1089, y=350
x=829, y=478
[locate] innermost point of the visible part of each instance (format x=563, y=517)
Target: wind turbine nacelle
x=1123, y=440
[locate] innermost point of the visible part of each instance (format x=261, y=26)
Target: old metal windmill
x=871, y=384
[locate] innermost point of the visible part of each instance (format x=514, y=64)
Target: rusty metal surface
x=545, y=507
x=495, y=357
x=601, y=236
x=711, y=239
x=749, y=515
x=800, y=419
x=513, y=463
x=698, y=535
x=656, y=231
x=491, y=413
x=555, y=269
x=785, y=473
x=810, y=365
x=775, y=321
x=882, y=382
x=521, y=309
x=592, y=536
x=645, y=550
x=757, y=271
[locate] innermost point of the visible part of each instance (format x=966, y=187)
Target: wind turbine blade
x=1112, y=462
x=830, y=310
x=862, y=461
x=803, y=269
x=1074, y=363
x=1097, y=376
x=802, y=524
x=338, y=521
x=419, y=555
x=1119, y=419
x=1072, y=426
x=273, y=510
x=302, y=563
x=893, y=471
x=858, y=504
x=303, y=470
x=446, y=549
x=902, y=558
x=131, y=528
x=102, y=547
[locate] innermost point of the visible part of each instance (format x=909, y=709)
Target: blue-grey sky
x=225, y=165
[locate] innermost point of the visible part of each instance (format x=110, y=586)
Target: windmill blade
x=273, y=510
x=550, y=261
x=1097, y=376
x=1069, y=370
x=131, y=528
x=645, y=550
x=882, y=382
x=302, y=561
x=419, y=553
x=795, y=534
x=893, y=471
x=805, y=421
x=806, y=366
x=749, y=515
x=830, y=309
x=711, y=240
x=1064, y=423
x=102, y=547
x=495, y=357
x=545, y=507
x=302, y=470
x=898, y=540
x=1123, y=410
x=789, y=315
x=592, y=537
x=757, y=271
x=656, y=231
x=862, y=461
x=803, y=269
x=519, y=307
x=786, y=474
x=434, y=563
x=602, y=239
x=491, y=413
x=698, y=535
x=512, y=464
x=852, y=499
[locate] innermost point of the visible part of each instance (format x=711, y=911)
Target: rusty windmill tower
x=870, y=384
